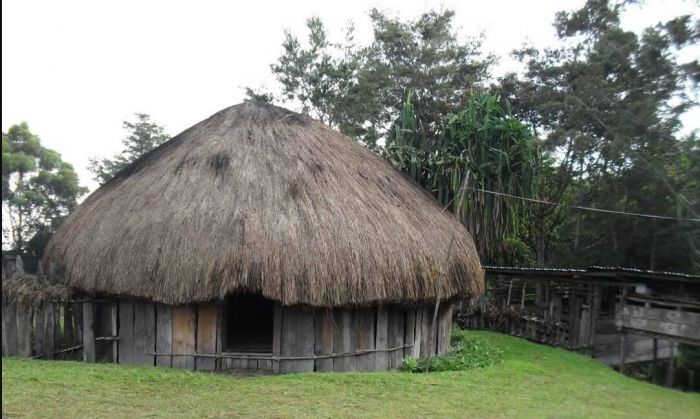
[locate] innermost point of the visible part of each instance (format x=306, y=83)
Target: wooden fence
x=50, y=330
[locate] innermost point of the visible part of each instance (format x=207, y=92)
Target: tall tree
x=360, y=89
x=608, y=103
x=38, y=190
x=142, y=137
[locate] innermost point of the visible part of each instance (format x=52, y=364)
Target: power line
x=539, y=201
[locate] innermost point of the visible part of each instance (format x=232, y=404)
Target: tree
x=608, y=104
x=360, y=90
x=142, y=137
x=38, y=190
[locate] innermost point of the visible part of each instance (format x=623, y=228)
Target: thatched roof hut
x=260, y=200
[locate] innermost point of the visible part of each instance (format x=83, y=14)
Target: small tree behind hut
x=143, y=135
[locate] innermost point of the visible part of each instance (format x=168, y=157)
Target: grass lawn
x=532, y=381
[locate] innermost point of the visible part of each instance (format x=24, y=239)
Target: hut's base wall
x=304, y=339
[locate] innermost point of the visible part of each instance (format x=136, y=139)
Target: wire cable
x=539, y=201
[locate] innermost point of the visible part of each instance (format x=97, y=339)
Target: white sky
x=74, y=70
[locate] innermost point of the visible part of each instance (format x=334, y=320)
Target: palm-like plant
x=482, y=148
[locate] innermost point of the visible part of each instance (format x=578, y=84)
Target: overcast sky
x=74, y=70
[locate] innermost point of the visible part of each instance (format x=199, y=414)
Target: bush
x=465, y=352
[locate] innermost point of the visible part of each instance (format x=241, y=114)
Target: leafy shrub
x=465, y=352
x=410, y=364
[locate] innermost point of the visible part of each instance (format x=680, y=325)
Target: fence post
x=88, y=332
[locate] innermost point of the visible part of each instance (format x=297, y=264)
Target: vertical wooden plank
x=410, y=329
x=206, y=336
x=218, y=363
x=184, y=324
x=365, y=322
x=276, y=335
x=126, y=331
x=45, y=322
x=9, y=329
x=297, y=339
x=343, y=340
x=88, y=332
x=264, y=365
x=444, y=328
x=397, y=317
x=323, y=328
x=68, y=331
x=24, y=330
x=164, y=335
x=381, y=358
x=103, y=328
x=428, y=338
x=114, y=329
x=418, y=334
x=144, y=332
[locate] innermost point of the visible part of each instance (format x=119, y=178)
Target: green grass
x=532, y=381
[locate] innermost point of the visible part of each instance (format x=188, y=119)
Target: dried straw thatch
x=28, y=290
x=260, y=199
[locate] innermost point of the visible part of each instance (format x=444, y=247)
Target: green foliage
x=360, y=89
x=482, y=147
x=142, y=137
x=38, y=190
x=608, y=104
x=410, y=364
x=466, y=352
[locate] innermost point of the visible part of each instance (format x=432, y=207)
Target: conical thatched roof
x=260, y=199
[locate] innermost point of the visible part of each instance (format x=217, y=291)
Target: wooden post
x=113, y=317
x=276, y=335
x=410, y=332
x=671, y=366
x=510, y=288
x=9, y=329
x=522, y=299
x=88, y=332
x=623, y=333
x=655, y=361
x=24, y=330
x=44, y=336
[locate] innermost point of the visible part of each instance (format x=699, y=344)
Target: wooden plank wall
x=144, y=337
x=88, y=332
x=184, y=323
x=323, y=343
x=343, y=340
x=24, y=331
x=297, y=339
x=206, y=336
x=126, y=331
x=164, y=334
x=371, y=338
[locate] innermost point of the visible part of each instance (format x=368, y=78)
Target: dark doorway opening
x=247, y=324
